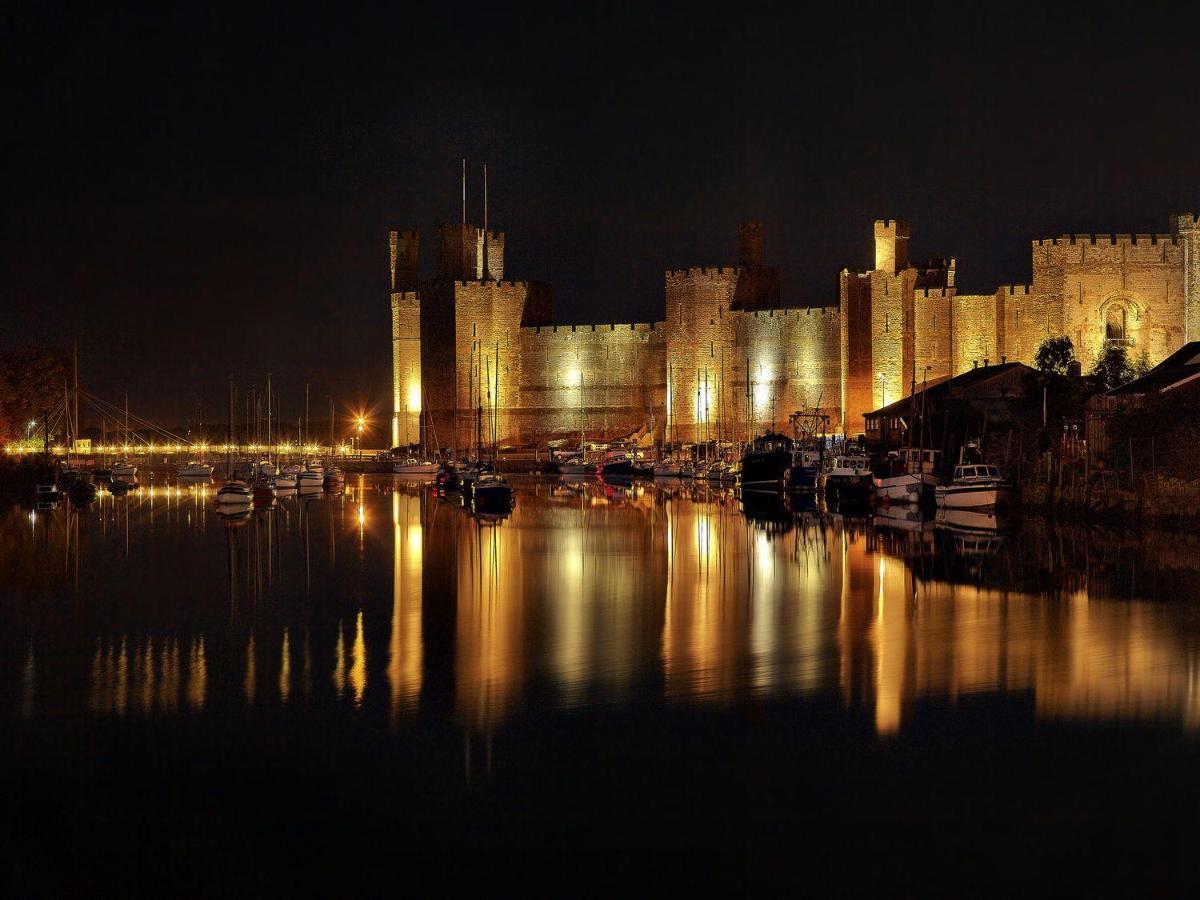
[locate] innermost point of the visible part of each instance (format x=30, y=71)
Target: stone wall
x=406, y=368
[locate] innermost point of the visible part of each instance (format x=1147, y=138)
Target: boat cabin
x=976, y=473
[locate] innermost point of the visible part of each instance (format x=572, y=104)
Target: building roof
x=1179, y=368
x=943, y=388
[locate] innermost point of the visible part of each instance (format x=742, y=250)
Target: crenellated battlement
x=1111, y=240
x=406, y=298
x=489, y=284
x=607, y=327
x=406, y=234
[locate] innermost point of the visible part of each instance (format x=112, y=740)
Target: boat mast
x=269, y=444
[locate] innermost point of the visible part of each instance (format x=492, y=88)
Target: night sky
x=196, y=193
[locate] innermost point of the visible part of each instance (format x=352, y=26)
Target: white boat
x=266, y=467
x=294, y=470
x=235, y=493
x=334, y=476
x=414, y=466
x=310, y=477
x=908, y=476
x=284, y=482
x=196, y=470
x=974, y=487
x=576, y=465
x=124, y=469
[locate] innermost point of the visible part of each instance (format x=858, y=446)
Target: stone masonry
x=730, y=358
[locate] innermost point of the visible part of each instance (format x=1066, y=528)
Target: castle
x=474, y=353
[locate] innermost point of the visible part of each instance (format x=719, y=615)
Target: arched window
x=1115, y=322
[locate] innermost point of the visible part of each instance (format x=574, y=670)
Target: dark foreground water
x=613, y=691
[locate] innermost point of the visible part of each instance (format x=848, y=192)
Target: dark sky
x=194, y=193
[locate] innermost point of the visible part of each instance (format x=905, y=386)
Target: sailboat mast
x=269, y=443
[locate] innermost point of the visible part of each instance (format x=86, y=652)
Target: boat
x=801, y=474
x=293, y=470
x=334, y=477
x=121, y=486
x=617, y=463
x=492, y=493
x=414, y=466
x=310, y=477
x=264, y=489
x=974, y=486
x=123, y=469
x=643, y=469
x=672, y=468
x=576, y=465
x=447, y=478
x=315, y=465
x=284, y=482
x=847, y=478
x=196, y=470
x=907, y=476
x=765, y=461
x=266, y=467
x=716, y=471
x=82, y=488
x=234, y=492
x=46, y=492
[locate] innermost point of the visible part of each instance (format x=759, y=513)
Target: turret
x=891, y=245
x=404, y=259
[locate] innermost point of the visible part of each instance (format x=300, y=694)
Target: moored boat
x=576, y=465
x=847, y=479
x=765, y=461
x=195, y=470
x=123, y=469
x=414, y=466
x=234, y=492
x=975, y=486
x=907, y=476
x=492, y=493
x=617, y=463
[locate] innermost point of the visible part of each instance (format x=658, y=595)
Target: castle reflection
x=402, y=605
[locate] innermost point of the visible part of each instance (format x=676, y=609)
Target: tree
x=31, y=382
x=1112, y=368
x=1054, y=355
x=1142, y=365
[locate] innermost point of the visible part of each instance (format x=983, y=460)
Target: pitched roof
x=943, y=387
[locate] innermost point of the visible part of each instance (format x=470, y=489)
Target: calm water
x=641, y=682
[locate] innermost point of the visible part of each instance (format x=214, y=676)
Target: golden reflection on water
x=589, y=595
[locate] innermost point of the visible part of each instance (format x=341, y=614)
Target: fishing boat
x=493, y=493
x=847, y=478
x=414, y=466
x=801, y=474
x=617, y=463
x=765, y=461
x=576, y=465
x=975, y=486
x=123, y=469
x=195, y=470
x=907, y=475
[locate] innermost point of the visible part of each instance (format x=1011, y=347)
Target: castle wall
x=608, y=379
x=1142, y=275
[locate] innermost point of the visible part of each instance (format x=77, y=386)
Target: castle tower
x=891, y=245
x=460, y=253
x=1187, y=226
x=493, y=255
x=750, y=244
x=404, y=259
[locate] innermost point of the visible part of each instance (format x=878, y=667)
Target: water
x=607, y=680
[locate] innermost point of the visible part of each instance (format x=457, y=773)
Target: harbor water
x=637, y=687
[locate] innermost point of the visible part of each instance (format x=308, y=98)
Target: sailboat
x=421, y=464
x=233, y=492
x=492, y=493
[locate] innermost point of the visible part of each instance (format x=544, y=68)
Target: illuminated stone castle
x=480, y=353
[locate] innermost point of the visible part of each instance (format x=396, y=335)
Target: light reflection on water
x=394, y=602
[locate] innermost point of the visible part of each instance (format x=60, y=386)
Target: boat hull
x=905, y=488
x=972, y=496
